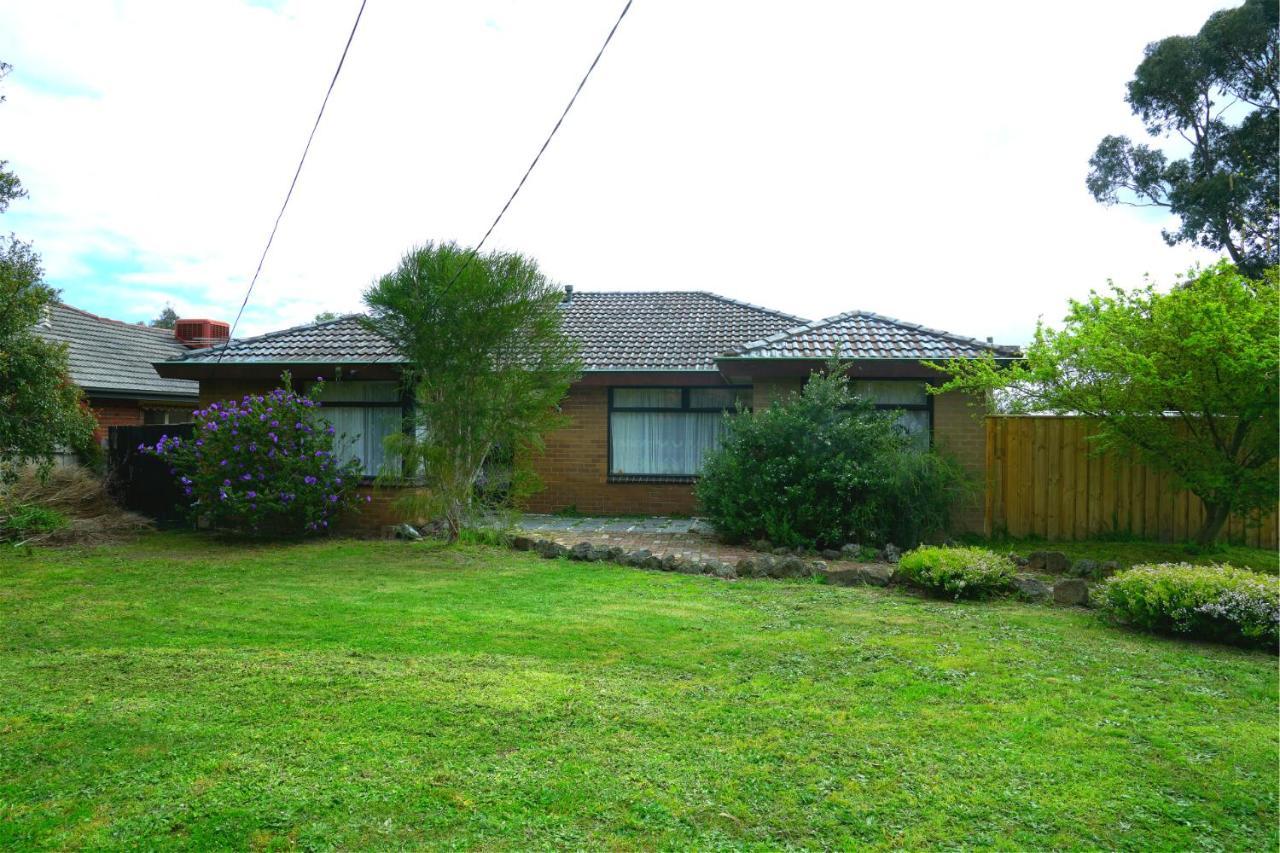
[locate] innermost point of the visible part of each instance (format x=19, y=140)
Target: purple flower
x=275, y=423
x=309, y=480
x=226, y=482
x=250, y=494
x=199, y=442
x=333, y=499
x=246, y=477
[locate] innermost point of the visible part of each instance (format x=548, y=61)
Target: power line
x=294, y=182
x=475, y=251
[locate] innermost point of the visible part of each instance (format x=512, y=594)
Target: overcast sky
x=922, y=160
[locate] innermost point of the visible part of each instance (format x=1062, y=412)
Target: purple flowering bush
x=1209, y=602
x=262, y=464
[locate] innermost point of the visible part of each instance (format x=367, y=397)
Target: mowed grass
x=181, y=692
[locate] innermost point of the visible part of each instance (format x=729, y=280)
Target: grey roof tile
x=862, y=334
x=652, y=330
x=345, y=340
x=664, y=330
x=114, y=357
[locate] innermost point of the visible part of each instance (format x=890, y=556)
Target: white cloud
x=922, y=160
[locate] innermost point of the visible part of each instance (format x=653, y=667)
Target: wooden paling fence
x=1044, y=479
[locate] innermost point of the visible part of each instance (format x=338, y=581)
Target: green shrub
x=1209, y=602
x=21, y=521
x=825, y=467
x=958, y=572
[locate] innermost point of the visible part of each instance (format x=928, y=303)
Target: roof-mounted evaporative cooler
x=201, y=333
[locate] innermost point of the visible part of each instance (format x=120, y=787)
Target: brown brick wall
x=114, y=413
x=575, y=465
x=959, y=429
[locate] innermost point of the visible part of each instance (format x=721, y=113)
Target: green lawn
x=180, y=692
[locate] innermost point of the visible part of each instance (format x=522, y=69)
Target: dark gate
x=140, y=481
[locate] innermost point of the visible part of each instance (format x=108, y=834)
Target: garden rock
x=615, y=554
x=653, y=564
x=789, y=567
x=1107, y=569
x=638, y=558
x=1054, y=562
x=762, y=545
x=749, y=568
x=1085, y=568
x=688, y=567
x=1071, y=591
x=522, y=543
x=830, y=554
x=724, y=571
x=669, y=562
x=550, y=550
x=876, y=574
x=1018, y=560
x=891, y=553
x=843, y=577
x=1031, y=588
x=584, y=551
x=851, y=550
x=407, y=531
x=781, y=552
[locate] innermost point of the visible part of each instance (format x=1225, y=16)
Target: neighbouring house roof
x=111, y=357
x=664, y=330
x=864, y=335
x=346, y=340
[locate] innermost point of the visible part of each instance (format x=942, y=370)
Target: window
x=908, y=397
x=166, y=416
x=666, y=432
x=362, y=414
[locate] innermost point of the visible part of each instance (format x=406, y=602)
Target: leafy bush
x=1210, y=602
x=958, y=572
x=263, y=464
x=825, y=467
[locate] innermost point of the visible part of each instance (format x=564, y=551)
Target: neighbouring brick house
x=112, y=361
x=660, y=370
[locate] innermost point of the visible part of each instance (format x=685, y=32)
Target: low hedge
x=958, y=572
x=1209, y=602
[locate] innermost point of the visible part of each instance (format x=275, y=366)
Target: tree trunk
x=1215, y=515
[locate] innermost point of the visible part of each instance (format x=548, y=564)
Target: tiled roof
x=654, y=330
x=664, y=330
x=346, y=340
x=110, y=356
x=861, y=334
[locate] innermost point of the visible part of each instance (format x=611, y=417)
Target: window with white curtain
x=667, y=432
x=362, y=414
x=908, y=398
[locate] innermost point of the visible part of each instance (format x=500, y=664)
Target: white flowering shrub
x=1210, y=602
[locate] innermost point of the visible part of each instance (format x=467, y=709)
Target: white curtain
x=663, y=443
x=360, y=430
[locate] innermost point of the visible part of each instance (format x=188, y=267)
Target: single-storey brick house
x=112, y=361
x=660, y=369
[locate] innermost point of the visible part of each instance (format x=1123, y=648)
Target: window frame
x=404, y=404
x=926, y=406
x=685, y=408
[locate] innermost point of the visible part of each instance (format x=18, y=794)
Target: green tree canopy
x=1185, y=380
x=488, y=364
x=1225, y=191
x=166, y=320
x=41, y=410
